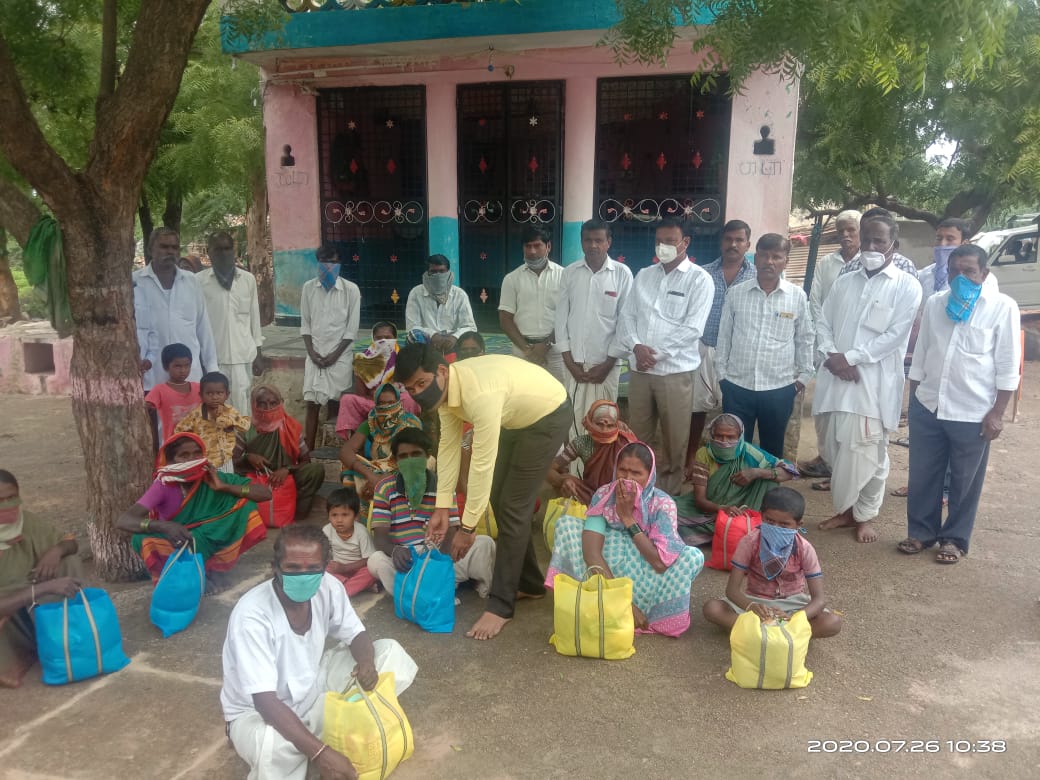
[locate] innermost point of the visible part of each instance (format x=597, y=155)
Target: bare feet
x=487, y=626
x=640, y=619
x=866, y=533
x=843, y=520
x=217, y=582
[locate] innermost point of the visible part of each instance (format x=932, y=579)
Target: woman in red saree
x=191, y=501
x=598, y=451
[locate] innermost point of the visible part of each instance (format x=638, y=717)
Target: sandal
x=910, y=546
x=903, y=441
x=823, y=486
x=902, y=492
x=949, y=553
x=814, y=468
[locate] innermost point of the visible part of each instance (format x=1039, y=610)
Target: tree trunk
x=261, y=264
x=9, y=308
x=174, y=206
x=107, y=395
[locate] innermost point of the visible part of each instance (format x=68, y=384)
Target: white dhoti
x=584, y=394
x=707, y=394
x=857, y=449
x=240, y=375
x=477, y=565
x=272, y=757
x=821, y=422
x=321, y=385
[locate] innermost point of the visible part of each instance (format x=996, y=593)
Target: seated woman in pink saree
x=191, y=502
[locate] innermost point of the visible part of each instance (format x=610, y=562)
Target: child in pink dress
x=173, y=399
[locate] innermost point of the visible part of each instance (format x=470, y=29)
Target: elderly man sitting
x=276, y=668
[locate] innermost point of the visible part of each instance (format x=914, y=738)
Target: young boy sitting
x=777, y=563
x=176, y=397
x=401, y=508
x=218, y=424
x=351, y=544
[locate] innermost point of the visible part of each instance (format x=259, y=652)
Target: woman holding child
x=630, y=531
x=191, y=502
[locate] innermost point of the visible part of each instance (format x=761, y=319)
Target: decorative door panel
x=661, y=151
x=372, y=150
x=510, y=175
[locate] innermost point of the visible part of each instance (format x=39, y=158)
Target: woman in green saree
x=728, y=475
x=190, y=502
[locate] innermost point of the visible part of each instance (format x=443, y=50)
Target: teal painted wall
x=571, y=243
x=444, y=240
x=338, y=27
x=292, y=267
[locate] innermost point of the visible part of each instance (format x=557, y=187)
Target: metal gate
x=661, y=151
x=372, y=152
x=510, y=140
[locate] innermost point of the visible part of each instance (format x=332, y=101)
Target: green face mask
x=413, y=472
x=722, y=454
x=301, y=587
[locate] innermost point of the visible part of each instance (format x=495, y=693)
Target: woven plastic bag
x=593, y=618
x=369, y=728
x=178, y=591
x=79, y=638
x=425, y=594
x=729, y=530
x=554, y=510
x=770, y=655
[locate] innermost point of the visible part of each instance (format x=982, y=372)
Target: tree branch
x=109, y=33
x=131, y=119
x=858, y=199
x=22, y=141
x=18, y=213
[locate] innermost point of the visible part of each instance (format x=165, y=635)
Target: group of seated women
x=632, y=529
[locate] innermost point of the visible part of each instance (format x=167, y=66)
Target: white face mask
x=666, y=253
x=872, y=261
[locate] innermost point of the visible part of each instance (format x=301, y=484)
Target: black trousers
x=771, y=409
x=524, y=458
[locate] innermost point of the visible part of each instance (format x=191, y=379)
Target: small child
x=351, y=544
x=219, y=425
x=777, y=563
x=176, y=397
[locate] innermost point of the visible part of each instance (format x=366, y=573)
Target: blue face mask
x=775, y=548
x=964, y=294
x=301, y=587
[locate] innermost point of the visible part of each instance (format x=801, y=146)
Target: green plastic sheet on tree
x=43, y=261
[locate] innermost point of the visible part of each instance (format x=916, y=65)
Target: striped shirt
x=390, y=510
x=765, y=339
x=714, y=269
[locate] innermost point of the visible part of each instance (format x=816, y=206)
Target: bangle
x=146, y=523
x=775, y=475
x=634, y=530
x=320, y=751
x=245, y=490
x=32, y=594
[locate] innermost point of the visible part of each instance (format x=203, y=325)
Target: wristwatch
x=469, y=531
x=634, y=530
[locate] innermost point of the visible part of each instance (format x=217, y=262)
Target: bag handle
x=177, y=555
x=418, y=580
x=375, y=717
x=65, y=634
x=577, y=613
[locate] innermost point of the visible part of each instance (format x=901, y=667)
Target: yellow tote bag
x=593, y=618
x=769, y=655
x=369, y=728
x=554, y=510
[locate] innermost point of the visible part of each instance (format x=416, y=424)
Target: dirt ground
x=928, y=652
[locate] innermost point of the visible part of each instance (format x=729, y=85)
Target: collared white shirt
x=329, y=316
x=869, y=321
x=827, y=270
x=531, y=298
x=961, y=366
x=666, y=312
x=589, y=307
x=178, y=316
x=262, y=653
x=234, y=315
x=423, y=312
x=765, y=339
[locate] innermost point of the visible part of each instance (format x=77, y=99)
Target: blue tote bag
x=425, y=595
x=79, y=638
x=175, y=600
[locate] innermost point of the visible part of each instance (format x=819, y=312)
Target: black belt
x=531, y=342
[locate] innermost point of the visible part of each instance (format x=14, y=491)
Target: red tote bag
x=729, y=530
x=280, y=510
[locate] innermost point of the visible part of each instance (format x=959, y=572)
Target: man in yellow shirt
x=520, y=415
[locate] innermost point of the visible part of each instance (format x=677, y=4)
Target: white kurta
x=235, y=318
x=422, y=312
x=329, y=317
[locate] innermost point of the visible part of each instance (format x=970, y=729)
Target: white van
x=1013, y=260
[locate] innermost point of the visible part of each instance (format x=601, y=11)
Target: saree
x=278, y=437
x=598, y=468
x=17, y=632
x=223, y=526
x=663, y=597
